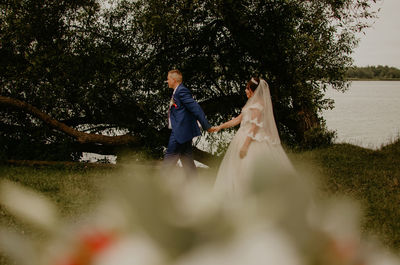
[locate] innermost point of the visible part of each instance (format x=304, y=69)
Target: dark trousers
x=176, y=151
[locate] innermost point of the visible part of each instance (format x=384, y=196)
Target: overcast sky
x=381, y=44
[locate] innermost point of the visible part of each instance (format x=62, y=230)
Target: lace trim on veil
x=264, y=120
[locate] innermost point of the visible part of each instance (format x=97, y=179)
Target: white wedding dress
x=258, y=123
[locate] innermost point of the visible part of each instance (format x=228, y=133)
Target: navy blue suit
x=184, y=115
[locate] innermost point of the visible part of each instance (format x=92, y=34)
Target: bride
x=256, y=140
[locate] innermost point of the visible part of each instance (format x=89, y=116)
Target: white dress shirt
x=170, y=105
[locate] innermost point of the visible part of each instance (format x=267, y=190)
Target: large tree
x=99, y=67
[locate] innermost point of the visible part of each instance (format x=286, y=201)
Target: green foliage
x=318, y=137
x=29, y=139
x=3, y=154
x=101, y=68
x=373, y=72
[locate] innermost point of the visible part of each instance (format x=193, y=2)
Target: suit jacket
x=184, y=115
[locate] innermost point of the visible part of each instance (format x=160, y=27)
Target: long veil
x=258, y=122
x=262, y=96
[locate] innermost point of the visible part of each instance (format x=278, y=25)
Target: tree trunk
x=307, y=120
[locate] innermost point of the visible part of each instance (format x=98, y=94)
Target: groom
x=183, y=114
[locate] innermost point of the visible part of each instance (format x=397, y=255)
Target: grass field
x=371, y=177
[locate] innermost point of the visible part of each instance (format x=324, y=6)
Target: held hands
x=214, y=129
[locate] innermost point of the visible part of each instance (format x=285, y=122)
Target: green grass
x=69, y=187
x=72, y=189
x=371, y=177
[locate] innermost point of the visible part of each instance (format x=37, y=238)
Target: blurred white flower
x=18, y=248
x=28, y=205
x=251, y=247
x=195, y=202
x=148, y=219
x=132, y=249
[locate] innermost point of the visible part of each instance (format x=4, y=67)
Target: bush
x=318, y=137
x=31, y=150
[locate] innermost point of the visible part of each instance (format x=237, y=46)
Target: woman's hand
x=243, y=151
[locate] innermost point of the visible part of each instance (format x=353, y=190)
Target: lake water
x=368, y=114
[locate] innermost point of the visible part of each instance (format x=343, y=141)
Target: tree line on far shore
x=379, y=72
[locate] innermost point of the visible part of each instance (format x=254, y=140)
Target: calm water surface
x=368, y=114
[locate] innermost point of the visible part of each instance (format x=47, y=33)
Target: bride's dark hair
x=253, y=83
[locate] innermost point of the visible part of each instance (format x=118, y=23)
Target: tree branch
x=81, y=137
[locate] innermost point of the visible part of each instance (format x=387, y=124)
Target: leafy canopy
x=100, y=66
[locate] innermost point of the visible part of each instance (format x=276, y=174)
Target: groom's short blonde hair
x=176, y=75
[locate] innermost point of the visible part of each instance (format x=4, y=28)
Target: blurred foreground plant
x=149, y=217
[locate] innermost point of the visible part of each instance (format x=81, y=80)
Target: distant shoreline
x=373, y=73
x=369, y=79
